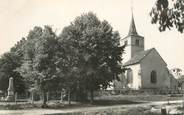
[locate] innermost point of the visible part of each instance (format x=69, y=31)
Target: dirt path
x=83, y=109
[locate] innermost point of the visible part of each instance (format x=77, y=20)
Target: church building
x=145, y=69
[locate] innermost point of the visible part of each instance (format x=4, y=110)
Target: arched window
x=153, y=77
x=129, y=76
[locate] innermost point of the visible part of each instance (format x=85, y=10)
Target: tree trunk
x=47, y=96
x=69, y=97
x=61, y=101
x=44, y=97
x=32, y=97
x=91, y=96
x=16, y=98
x=183, y=102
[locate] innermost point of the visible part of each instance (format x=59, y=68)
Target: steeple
x=132, y=29
x=133, y=42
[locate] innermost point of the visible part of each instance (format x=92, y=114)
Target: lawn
x=139, y=98
x=105, y=100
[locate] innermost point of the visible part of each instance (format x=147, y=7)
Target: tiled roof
x=138, y=57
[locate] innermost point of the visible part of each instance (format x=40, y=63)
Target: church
x=144, y=69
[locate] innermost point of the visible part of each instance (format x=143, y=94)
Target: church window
x=129, y=76
x=137, y=42
x=153, y=77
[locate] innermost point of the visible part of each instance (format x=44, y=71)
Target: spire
x=132, y=29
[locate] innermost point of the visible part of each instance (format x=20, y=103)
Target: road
x=83, y=109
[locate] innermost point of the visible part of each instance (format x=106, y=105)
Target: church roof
x=138, y=57
x=132, y=29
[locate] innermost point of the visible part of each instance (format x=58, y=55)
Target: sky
x=18, y=17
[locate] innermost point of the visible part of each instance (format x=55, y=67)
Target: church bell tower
x=133, y=42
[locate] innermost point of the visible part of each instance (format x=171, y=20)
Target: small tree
x=9, y=62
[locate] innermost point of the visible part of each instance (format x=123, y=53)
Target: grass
x=9, y=107
x=99, y=101
x=108, y=102
x=65, y=105
x=19, y=106
x=139, y=98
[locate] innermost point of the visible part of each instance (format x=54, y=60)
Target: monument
x=11, y=96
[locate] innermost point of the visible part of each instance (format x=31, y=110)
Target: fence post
x=168, y=98
x=47, y=96
x=32, y=97
x=183, y=101
x=16, y=98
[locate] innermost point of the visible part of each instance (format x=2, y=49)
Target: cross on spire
x=132, y=6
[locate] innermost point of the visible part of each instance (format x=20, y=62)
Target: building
x=145, y=69
x=174, y=84
x=177, y=72
x=181, y=83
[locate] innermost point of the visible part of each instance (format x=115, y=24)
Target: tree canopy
x=85, y=57
x=96, y=51
x=168, y=14
x=9, y=62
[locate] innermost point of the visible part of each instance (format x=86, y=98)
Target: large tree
x=168, y=14
x=39, y=59
x=27, y=67
x=67, y=65
x=96, y=50
x=44, y=61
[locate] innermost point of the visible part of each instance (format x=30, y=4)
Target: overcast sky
x=17, y=17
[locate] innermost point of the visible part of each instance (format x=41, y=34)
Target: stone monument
x=11, y=96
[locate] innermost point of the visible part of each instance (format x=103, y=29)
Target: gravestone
x=11, y=96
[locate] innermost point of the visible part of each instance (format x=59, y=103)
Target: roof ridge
x=138, y=57
x=149, y=50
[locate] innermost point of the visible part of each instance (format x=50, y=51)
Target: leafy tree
x=19, y=47
x=9, y=62
x=39, y=60
x=85, y=57
x=96, y=49
x=44, y=61
x=27, y=67
x=168, y=14
x=67, y=64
